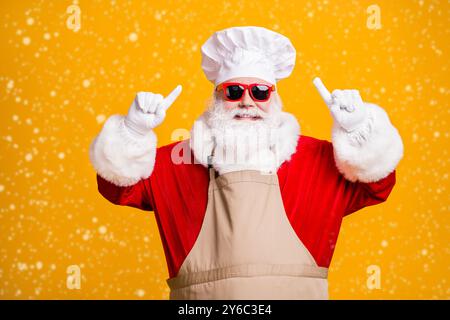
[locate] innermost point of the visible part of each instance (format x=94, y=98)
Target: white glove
x=346, y=106
x=148, y=111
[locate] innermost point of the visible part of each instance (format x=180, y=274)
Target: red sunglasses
x=234, y=91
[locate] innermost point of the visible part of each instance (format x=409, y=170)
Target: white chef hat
x=247, y=52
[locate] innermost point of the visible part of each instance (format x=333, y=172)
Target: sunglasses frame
x=223, y=87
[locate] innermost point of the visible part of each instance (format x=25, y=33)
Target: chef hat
x=247, y=52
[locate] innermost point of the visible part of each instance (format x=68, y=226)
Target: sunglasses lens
x=261, y=92
x=234, y=92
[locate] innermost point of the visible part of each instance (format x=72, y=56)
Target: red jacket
x=315, y=194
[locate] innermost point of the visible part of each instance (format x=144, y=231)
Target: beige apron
x=247, y=248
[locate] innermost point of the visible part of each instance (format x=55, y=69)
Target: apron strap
x=212, y=172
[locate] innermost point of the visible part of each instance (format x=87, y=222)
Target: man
x=248, y=208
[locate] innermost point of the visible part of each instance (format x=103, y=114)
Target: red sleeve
x=317, y=196
x=360, y=195
x=137, y=195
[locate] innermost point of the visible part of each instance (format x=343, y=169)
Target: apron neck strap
x=212, y=172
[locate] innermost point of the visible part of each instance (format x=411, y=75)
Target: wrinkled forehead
x=248, y=80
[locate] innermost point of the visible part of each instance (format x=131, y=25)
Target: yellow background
x=58, y=86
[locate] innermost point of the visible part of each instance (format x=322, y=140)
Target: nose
x=247, y=101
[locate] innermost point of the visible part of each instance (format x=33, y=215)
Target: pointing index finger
x=323, y=91
x=167, y=102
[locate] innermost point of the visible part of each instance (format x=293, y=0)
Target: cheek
x=230, y=105
x=264, y=106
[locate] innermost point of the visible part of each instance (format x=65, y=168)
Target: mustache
x=219, y=115
x=217, y=107
x=251, y=112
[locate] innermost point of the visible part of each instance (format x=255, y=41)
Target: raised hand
x=346, y=106
x=148, y=110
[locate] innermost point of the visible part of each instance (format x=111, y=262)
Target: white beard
x=244, y=144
